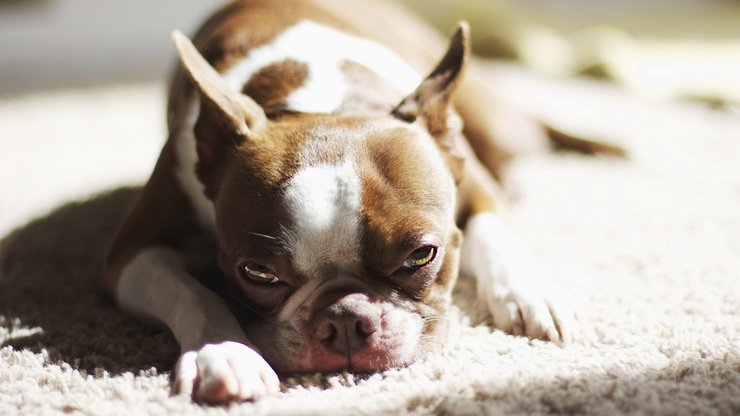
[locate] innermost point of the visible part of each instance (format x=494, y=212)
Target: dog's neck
x=312, y=68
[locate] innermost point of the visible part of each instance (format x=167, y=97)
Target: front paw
x=224, y=372
x=519, y=299
x=534, y=312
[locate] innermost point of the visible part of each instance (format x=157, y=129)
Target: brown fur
x=161, y=214
x=271, y=85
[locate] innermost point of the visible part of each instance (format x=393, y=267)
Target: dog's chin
x=368, y=360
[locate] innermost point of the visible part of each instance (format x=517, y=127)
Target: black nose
x=346, y=325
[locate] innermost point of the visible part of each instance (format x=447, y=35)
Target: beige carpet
x=650, y=246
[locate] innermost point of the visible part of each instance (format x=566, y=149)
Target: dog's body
x=326, y=177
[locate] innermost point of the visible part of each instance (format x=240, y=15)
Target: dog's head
x=338, y=232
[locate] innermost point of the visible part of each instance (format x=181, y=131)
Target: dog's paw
x=534, y=312
x=519, y=297
x=224, y=372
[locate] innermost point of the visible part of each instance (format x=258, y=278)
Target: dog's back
x=319, y=30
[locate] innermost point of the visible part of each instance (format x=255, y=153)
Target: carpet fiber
x=649, y=245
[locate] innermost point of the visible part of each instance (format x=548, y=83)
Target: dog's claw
x=524, y=312
x=186, y=373
x=223, y=372
x=565, y=317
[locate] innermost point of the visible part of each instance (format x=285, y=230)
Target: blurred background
x=70, y=43
x=688, y=48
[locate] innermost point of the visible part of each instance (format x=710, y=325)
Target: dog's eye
x=420, y=257
x=259, y=274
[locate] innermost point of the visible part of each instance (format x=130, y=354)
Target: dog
x=330, y=182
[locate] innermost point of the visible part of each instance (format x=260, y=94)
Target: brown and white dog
x=330, y=183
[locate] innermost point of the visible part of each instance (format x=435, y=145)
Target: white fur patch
x=322, y=49
x=156, y=284
x=324, y=202
x=187, y=157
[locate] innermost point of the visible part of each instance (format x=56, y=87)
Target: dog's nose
x=345, y=326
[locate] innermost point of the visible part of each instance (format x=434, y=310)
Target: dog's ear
x=430, y=102
x=233, y=111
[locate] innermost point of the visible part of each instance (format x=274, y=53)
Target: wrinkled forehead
x=359, y=175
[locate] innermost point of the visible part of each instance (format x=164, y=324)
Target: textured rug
x=649, y=245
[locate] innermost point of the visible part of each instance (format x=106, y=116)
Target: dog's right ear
x=234, y=111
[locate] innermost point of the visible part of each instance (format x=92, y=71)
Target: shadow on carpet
x=51, y=297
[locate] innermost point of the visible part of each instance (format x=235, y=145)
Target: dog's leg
x=218, y=363
x=520, y=298
x=148, y=276
x=494, y=128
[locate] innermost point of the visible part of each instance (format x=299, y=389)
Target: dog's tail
x=562, y=140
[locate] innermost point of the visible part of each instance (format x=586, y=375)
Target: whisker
x=435, y=318
x=269, y=237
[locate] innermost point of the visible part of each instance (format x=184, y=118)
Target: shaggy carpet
x=649, y=245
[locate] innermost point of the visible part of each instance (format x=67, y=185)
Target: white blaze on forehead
x=324, y=204
x=322, y=49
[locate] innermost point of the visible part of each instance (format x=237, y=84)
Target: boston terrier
x=337, y=191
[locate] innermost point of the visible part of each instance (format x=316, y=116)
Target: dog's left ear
x=429, y=104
